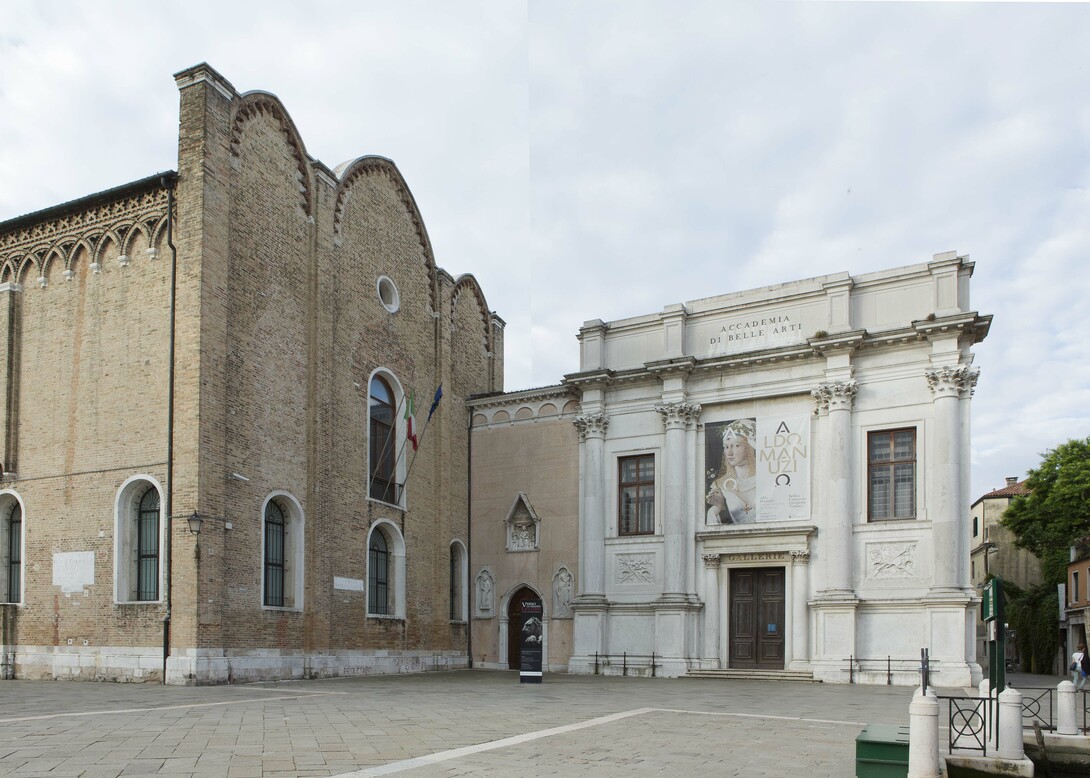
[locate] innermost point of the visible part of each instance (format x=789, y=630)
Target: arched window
x=11, y=551
x=147, y=544
x=378, y=575
x=458, y=570
x=137, y=540
x=274, y=555
x=282, y=552
x=385, y=571
x=383, y=443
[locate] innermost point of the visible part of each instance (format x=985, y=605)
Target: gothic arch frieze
x=350, y=173
x=253, y=105
x=467, y=285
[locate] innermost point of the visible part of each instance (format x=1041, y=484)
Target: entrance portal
x=756, y=618
x=514, y=625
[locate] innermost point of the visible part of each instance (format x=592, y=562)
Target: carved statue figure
x=563, y=590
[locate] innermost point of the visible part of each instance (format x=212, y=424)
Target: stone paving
x=439, y=724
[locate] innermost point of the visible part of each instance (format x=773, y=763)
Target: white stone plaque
x=347, y=584
x=73, y=570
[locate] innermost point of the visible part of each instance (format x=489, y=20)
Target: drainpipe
x=168, y=182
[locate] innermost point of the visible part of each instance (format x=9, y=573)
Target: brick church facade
x=239, y=340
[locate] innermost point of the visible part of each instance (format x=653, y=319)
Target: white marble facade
x=760, y=411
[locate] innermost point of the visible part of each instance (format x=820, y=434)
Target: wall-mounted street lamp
x=195, y=522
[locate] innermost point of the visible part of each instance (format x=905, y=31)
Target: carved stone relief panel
x=891, y=560
x=635, y=568
x=522, y=525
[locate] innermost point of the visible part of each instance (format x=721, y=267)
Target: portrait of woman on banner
x=732, y=486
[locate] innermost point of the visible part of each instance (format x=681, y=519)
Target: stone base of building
x=198, y=667
x=552, y=667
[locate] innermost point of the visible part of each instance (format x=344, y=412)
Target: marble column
x=838, y=397
x=711, y=610
x=676, y=418
x=945, y=510
x=592, y=518
x=800, y=569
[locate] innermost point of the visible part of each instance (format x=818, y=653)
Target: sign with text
x=772, y=328
x=757, y=469
x=531, y=633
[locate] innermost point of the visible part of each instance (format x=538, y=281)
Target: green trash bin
x=881, y=751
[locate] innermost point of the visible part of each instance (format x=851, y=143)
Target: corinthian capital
x=676, y=415
x=591, y=426
x=951, y=381
x=835, y=396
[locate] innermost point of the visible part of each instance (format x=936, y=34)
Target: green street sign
x=991, y=598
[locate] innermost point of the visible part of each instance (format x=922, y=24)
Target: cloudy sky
x=589, y=159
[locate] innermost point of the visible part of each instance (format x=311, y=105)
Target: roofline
x=163, y=180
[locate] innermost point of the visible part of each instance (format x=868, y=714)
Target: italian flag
x=410, y=421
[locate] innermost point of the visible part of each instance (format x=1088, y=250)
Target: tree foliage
x=1055, y=514
x=1033, y=614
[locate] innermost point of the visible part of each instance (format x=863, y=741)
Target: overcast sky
x=588, y=159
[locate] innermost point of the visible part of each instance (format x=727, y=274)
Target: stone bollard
x=923, y=736
x=1065, y=709
x=1010, y=725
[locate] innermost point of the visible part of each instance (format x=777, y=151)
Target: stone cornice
x=755, y=358
x=668, y=367
x=841, y=341
x=968, y=325
x=590, y=378
x=522, y=397
x=768, y=529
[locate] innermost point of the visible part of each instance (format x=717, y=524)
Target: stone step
x=754, y=675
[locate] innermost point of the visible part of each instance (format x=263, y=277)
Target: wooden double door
x=757, y=618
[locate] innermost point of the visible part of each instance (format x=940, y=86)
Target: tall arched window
x=378, y=575
x=274, y=555
x=11, y=552
x=137, y=539
x=459, y=600
x=383, y=444
x=283, y=536
x=147, y=544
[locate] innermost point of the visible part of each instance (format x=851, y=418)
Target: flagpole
x=420, y=439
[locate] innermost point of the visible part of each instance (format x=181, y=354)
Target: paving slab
x=449, y=723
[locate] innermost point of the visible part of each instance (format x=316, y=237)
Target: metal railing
x=1039, y=704
x=887, y=665
x=969, y=722
x=627, y=661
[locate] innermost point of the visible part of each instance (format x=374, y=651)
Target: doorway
x=757, y=618
x=514, y=610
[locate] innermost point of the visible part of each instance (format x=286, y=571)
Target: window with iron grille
x=275, y=553
x=378, y=575
x=147, y=547
x=636, y=497
x=12, y=554
x=891, y=474
x=382, y=443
